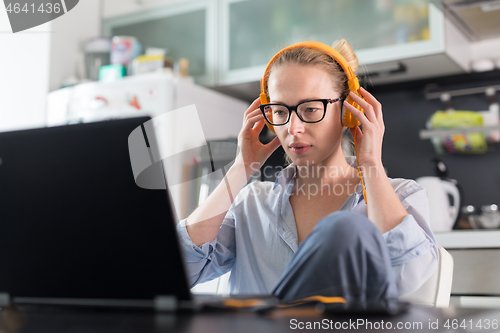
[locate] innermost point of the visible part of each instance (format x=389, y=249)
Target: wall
x=69, y=34
x=37, y=60
x=24, y=73
x=405, y=155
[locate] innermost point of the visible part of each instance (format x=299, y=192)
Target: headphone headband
x=352, y=80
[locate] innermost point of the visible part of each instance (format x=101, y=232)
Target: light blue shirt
x=258, y=237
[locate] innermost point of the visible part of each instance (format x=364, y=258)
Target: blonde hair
x=312, y=57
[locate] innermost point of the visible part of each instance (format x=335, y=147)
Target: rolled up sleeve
x=209, y=260
x=412, y=247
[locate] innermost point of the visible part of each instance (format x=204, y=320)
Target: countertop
x=467, y=239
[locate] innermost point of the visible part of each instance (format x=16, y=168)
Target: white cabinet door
x=112, y=8
x=187, y=29
x=379, y=31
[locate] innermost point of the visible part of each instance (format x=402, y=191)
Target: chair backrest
x=435, y=291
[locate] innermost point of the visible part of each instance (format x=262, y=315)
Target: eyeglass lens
x=309, y=112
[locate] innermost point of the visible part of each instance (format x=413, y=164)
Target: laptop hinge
x=4, y=300
x=165, y=303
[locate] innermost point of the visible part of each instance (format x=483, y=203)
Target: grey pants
x=345, y=255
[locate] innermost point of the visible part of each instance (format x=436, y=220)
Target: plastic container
x=124, y=49
x=147, y=63
x=111, y=73
x=461, y=143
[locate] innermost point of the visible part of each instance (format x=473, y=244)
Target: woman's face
x=307, y=143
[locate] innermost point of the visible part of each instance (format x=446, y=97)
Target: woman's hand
x=204, y=223
x=368, y=141
x=384, y=207
x=253, y=153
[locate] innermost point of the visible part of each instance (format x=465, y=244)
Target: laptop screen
x=73, y=223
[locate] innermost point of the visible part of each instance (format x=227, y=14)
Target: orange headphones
x=348, y=119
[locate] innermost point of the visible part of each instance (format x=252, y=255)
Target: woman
x=308, y=233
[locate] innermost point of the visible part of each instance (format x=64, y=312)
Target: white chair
x=435, y=291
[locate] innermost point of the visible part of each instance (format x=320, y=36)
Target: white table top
x=469, y=239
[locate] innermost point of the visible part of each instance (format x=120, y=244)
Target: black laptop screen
x=73, y=223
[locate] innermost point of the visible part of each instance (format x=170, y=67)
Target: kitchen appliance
x=153, y=94
x=477, y=19
x=97, y=54
x=444, y=198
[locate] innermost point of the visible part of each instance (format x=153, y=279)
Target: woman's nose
x=295, y=125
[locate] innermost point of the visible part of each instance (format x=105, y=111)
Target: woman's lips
x=300, y=148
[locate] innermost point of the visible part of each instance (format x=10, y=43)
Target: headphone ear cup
x=347, y=118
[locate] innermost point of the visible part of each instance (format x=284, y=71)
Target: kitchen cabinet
x=169, y=27
x=382, y=33
x=231, y=41
x=476, y=256
x=112, y=8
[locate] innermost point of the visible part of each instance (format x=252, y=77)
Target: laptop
x=76, y=229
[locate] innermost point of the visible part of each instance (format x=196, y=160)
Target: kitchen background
x=412, y=52
x=406, y=112
x=403, y=46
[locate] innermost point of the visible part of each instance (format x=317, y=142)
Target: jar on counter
x=490, y=216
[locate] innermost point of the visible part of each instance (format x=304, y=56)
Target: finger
x=358, y=114
x=369, y=97
x=359, y=134
x=251, y=114
x=252, y=120
x=372, y=100
x=355, y=129
x=367, y=107
x=255, y=104
x=258, y=126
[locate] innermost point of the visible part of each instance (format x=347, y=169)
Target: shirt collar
x=285, y=175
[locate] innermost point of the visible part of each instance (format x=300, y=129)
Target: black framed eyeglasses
x=312, y=111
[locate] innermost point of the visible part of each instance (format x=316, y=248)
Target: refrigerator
x=218, y=117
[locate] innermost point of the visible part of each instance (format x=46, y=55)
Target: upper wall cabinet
x=229, y=42
x=380, y=31
x=186, y=29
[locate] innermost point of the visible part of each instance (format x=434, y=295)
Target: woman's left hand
x=368, y=141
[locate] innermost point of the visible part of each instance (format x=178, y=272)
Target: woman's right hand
x=204, y=223
x=253, y=153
